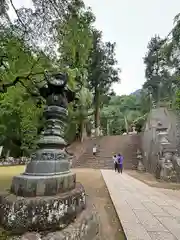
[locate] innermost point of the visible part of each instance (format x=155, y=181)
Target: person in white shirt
x=115, y=159
x=95, y=150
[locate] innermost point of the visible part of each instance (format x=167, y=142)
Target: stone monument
x=46, y=196
x=140, y=166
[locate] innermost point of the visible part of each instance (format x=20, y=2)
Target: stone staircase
x=107, y=146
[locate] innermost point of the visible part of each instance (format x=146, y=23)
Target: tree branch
x=19, y=79
x=4, y=87
x=2, y=64
x=15, y=10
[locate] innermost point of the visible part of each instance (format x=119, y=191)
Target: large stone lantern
x=48, y=172
x=46, y=196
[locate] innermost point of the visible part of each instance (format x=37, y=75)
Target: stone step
x=107, y=147
x=98, y=167
x=100, y=164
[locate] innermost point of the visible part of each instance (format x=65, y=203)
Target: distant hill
x=137, y=92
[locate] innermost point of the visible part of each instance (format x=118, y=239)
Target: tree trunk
x=83, y=133
x=7, y=155
x=108, y=129
x=126, y=124
x=1, y=149
x=97, y=112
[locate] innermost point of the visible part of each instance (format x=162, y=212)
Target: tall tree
x=158, y=77
x=162, y=64
x=103, y=72
x=3, y=11
x=74, y=49
x=76, y=42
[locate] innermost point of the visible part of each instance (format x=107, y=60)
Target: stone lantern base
x=19, y=215
x=34, y=186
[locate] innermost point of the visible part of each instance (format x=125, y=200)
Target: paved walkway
x=145, y=213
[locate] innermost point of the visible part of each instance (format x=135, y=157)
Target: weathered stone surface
x=31, y=236
x=140, y=166
x=19, y=214
x=159, y=144
x=32, y=186
x=84, y=227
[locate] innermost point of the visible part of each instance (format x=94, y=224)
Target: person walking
x=115, y=162
x=120, y=163
x=94, y=149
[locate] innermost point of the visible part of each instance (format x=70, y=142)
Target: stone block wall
x=150, y=141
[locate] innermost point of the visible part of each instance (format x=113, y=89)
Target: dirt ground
x=150, y=180
x=95, y=187
x=110, y=227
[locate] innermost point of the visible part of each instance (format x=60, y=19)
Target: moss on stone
x=4, y=235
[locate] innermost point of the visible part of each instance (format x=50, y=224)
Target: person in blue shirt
x=120, y=163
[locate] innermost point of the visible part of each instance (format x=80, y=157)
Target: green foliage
x=177, y=99
x=159, y=80
x=79, y=113
x=121, y=113
x=162, y=67
x=102, y=72
x=74, y=47
x=19, y=120
x=54, y=36
x=139, y=122
x=75, y=43
x=19, y=116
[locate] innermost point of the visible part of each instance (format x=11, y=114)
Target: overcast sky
x=130, y=24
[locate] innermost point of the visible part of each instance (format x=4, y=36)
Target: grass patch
x=6, y=175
